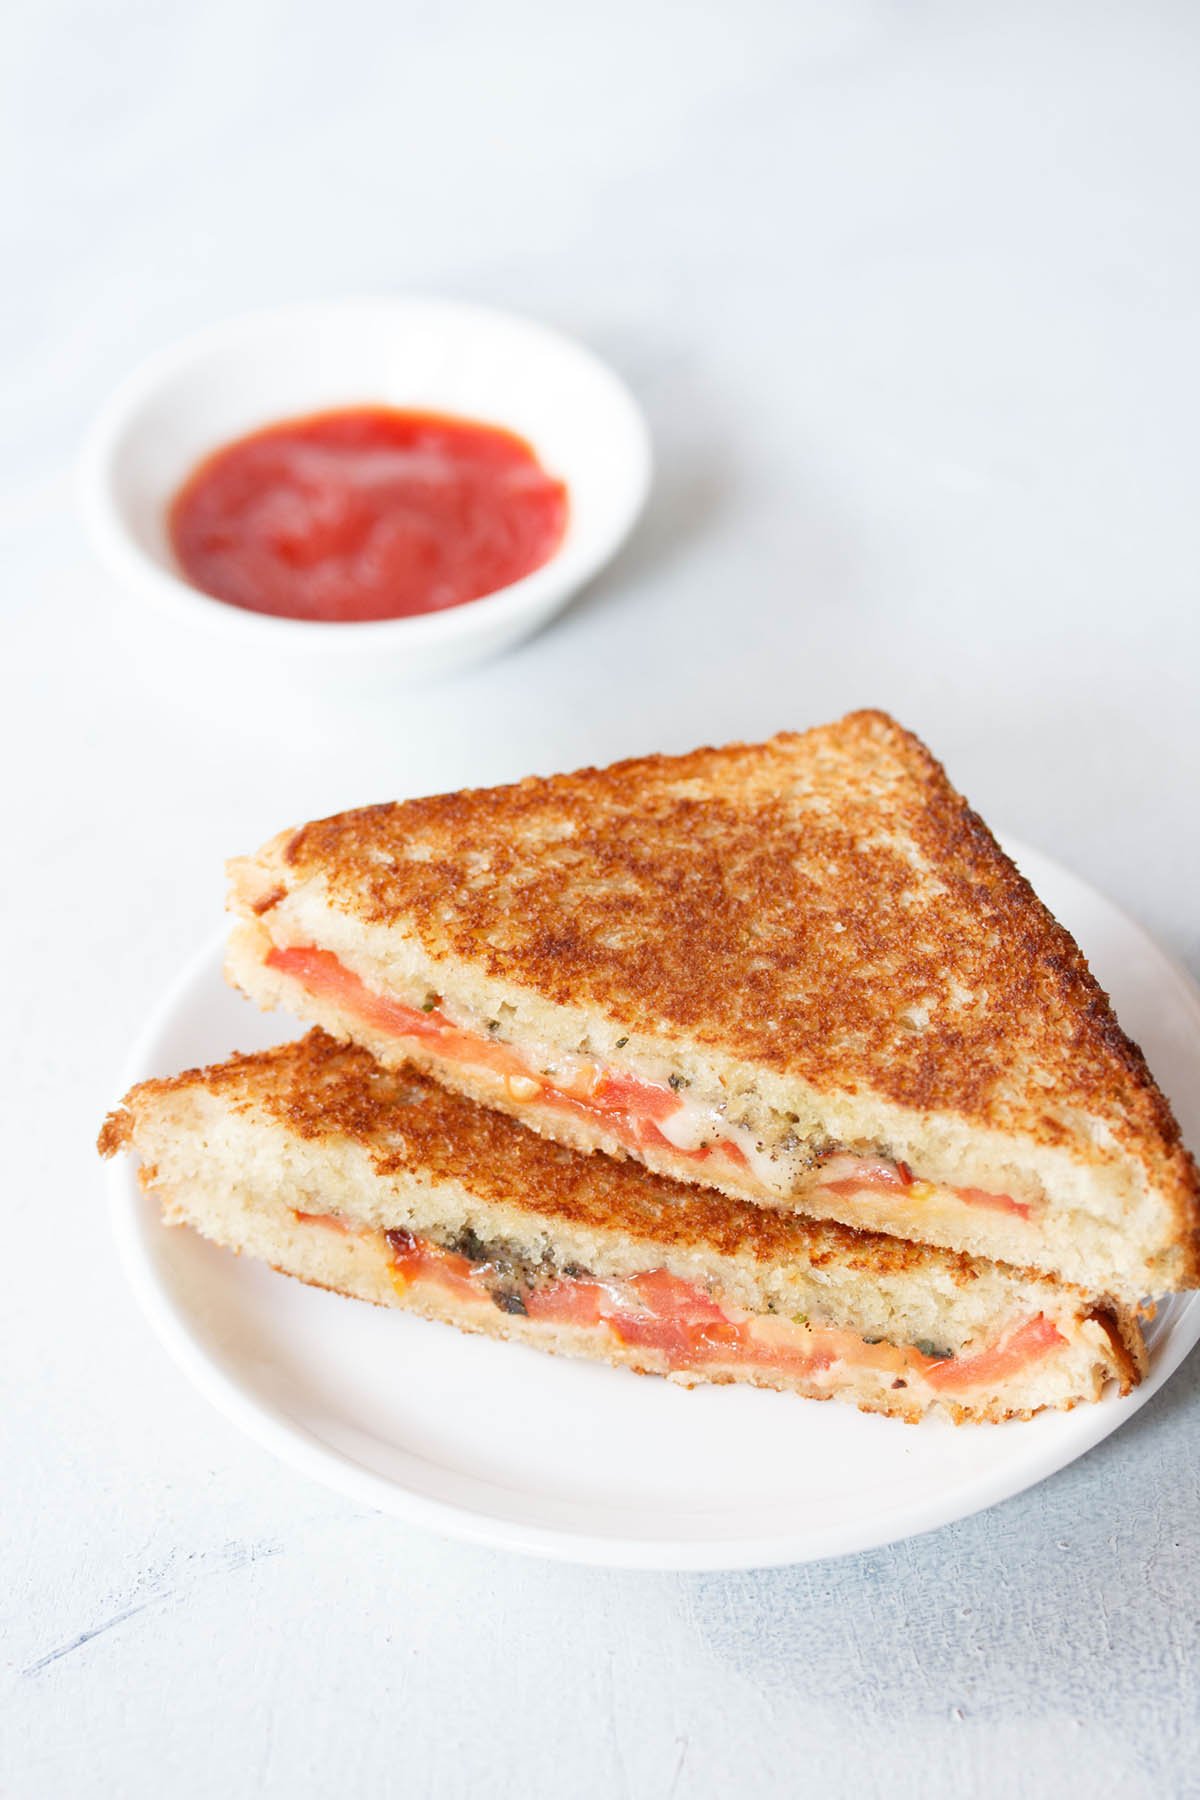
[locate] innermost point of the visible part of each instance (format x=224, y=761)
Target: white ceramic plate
x=497, y=1443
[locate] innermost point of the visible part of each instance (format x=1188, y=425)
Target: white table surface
x=910, y=296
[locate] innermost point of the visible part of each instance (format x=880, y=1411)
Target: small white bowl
x=430, y=355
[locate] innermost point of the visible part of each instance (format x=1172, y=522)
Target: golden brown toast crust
x=318, y=1088
x=825, y=905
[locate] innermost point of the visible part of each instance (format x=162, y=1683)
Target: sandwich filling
x=641, y=1114
x=682, y=1328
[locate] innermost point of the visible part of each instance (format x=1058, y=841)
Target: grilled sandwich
x=385, y=1186
x=802, y=973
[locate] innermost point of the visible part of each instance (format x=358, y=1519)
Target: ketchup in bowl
x=366, y=513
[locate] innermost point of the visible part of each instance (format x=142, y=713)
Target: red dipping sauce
x=366, y=513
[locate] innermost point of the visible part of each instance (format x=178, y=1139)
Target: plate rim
x=300, y=1449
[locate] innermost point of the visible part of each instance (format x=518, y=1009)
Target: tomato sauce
x=366, y=513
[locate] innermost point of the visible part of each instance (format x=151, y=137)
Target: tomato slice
x=1018, y=1348
x=413, y=1259
x=321, y=972
x=846, y=1174
x=668, y=1296
x=567, y=1302
x=649, y=1133
x=655, y=1310
x=660, y=1311
x=616, y=1091
x=624, y=1105
x=998, y=1202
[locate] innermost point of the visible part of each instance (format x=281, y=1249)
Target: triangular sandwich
x=801, y=972
x=385, y=1186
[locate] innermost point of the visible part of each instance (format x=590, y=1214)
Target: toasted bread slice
x=801, y=972
x=386, y=1186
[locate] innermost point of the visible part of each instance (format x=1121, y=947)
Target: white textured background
x=910, y=294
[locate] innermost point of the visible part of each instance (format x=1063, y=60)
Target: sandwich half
x=383, y=1185
x=800, y=972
